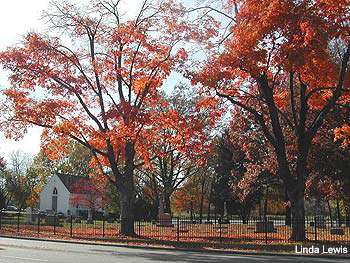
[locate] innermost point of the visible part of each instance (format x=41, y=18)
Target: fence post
x=220, y=228
x=54, y=223
x=265, y=219
x=315, y=226
x=38, y=223
x=71, y=225
x=18, y=221
x=0, y=218
x=178, y=229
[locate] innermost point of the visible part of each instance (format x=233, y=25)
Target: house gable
x=63, y=195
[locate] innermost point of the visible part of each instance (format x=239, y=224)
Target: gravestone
x=28, y=215
x=89, y=219
x=337, y=231
x=52, y=220
x=320, y=221
x=265, y=227
x=31, y=218
x=164, y=219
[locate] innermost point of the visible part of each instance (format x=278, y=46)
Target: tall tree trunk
x=266, y=202
x=191, y=211
x=348, y=215
x=261, y=209
x=296, y=189
x=127, y=193
x=339, y=214
x=288, y=212
x=330, y=212
x=201, y=209
x=167, y=203
x=298, y=212
x=201, y=202
x=209, y=212
x=209, y=202
x=245, y=213
x=127, y=200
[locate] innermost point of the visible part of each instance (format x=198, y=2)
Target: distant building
x=59, y=191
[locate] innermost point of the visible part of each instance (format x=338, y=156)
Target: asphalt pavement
x=20, y=251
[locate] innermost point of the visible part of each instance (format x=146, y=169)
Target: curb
x=194, y=250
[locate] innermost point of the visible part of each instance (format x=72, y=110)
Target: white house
x=58, y=192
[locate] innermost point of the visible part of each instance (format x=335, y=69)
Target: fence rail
x=225, y=231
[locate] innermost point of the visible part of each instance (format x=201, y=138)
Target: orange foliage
x=105, y=93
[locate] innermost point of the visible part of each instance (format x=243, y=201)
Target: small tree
x=89, y=193
x=20, y=184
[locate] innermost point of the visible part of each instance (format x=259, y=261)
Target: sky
x=18, y=17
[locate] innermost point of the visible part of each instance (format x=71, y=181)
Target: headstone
x=161, y=205
x=320, y=221
x=347, y=221
x=31, y=218
x=225, y=209
x=337, y=231
x=89, y=219
x=263, y=227
x=165, y=220
x=52, y=220
x=28, y=215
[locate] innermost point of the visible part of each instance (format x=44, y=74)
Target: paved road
x=25, y=251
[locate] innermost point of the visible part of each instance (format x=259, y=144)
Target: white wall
x=62, y=195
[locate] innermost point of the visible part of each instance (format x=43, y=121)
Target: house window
x=54, y=200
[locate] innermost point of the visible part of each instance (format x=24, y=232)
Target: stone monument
x=164, y=219
x=31, y=218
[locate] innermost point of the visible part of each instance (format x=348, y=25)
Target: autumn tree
x=90, y=194
x=238, y=152
x=188, y=197
x=330, y=166
x=171, y=167
x=96, y=79
x=20, y=185
x=280, y=61
x=76, y=162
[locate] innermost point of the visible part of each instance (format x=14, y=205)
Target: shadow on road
x=190, y=257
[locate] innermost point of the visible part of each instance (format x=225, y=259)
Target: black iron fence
x=225, y=231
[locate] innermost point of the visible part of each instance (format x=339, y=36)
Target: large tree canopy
x=96, y=79
x=285, y=63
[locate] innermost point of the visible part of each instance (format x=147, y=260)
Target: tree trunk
x=266, y=202
x=296, y=189
x=339, y=214
x=209, y=212
x=127, y=193
x=127, y=199
x=201, y=209
x=245, y=214
x=298, y=213
x=330, y=212
x=348, y=215
x=191, y=211
x=201, y=202
x=167, y=204
x=288, y=214
x=209, y=202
